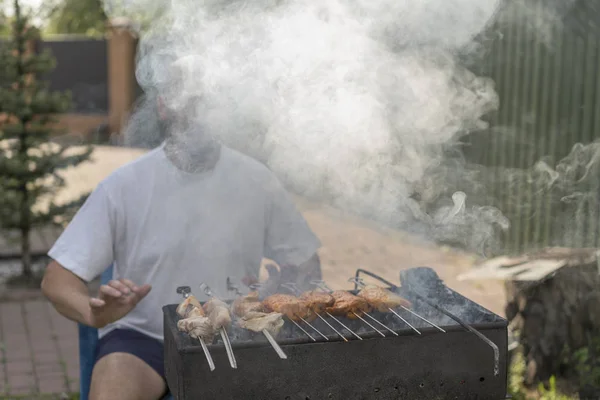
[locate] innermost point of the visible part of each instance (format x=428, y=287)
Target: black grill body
x=434, y=365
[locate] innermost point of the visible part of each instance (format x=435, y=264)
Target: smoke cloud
x=352, y=101
x=565, y=195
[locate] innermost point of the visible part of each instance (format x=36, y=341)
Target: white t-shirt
x=169, y=228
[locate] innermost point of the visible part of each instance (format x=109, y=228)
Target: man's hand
x=271, y=285
x=301, y=276
x=114, y=301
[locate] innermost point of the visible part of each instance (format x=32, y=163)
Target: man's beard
x=188, y=145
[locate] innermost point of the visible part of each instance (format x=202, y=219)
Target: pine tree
x=29, y=161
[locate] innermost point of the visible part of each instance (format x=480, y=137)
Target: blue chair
x=88, y=341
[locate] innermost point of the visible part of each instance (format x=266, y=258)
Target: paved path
x=39, y=348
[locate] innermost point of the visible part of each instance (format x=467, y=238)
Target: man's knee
x=123, y=376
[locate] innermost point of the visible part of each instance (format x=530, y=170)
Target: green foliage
x=29, y=162
x=516, y=378
x=4, y=20
x=89, y=17
x=516, y=383
x=551, y=393
x=587, y=364
x=85, y=17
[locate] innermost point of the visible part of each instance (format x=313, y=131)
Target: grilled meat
x=252, y=316
x=317, y=301
x=194, y=322
x=217, y=312
x=259, y=321
x=346, y=304
x=246, y=304
x=197, y=327
x=382, y=299
x=288, y=305
x=190, y=307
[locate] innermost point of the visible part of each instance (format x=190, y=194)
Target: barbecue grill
x=460, y=353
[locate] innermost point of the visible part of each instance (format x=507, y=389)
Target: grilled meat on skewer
x=194, y=321
x=249, y=309
x=203, y=321
x=346, y=305
x=259, y=321
x=249, y=303
x=197, y=327
x=190, y=307
x=317, y=301
x=290, y=306
x=382, y=299
x=252, y=316
x=217, y=312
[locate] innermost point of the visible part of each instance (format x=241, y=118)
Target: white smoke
x=351, y=100
x=569, y=192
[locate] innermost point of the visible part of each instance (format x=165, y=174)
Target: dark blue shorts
x=133, y=342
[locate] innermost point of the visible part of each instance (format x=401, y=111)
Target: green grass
x=518, y=391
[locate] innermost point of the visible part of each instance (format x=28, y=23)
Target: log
x=557, y=315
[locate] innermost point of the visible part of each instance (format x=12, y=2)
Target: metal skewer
x=367, y=322
x=314, y=329
x=232, y=288
x=266, y=333
x=256, y=286
x=294, y=288
x=418, y=316
x=345, y=327
x=389, y=329
x=227, y=343
x=185, y=291
x=405, y=321
x=335, y=330
x=302, y=329
x=274, y=344
x=222, y=331
x=211, y=363
x=323, y=286
x=361, y=283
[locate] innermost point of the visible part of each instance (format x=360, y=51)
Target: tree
x=4, y=20
x=85, y=17
x=90, y=17
x=29, y=161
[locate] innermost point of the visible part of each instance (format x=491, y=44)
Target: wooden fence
x=549, y=90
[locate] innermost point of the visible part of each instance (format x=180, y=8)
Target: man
x=187, y=212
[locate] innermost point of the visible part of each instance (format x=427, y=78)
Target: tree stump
x=557, y=315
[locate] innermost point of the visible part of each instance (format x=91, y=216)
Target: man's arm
x=69, y=295
x=67, y=292
x=289, y=241
x=302, y=274
x=82, y=252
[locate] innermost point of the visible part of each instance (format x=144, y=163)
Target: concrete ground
x=39, y=347
x=39, y=350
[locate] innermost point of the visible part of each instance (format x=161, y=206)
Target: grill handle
x=417, y=279
x=427, y=280
x=423, y=280
x=470, y=329
x=372, y=275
